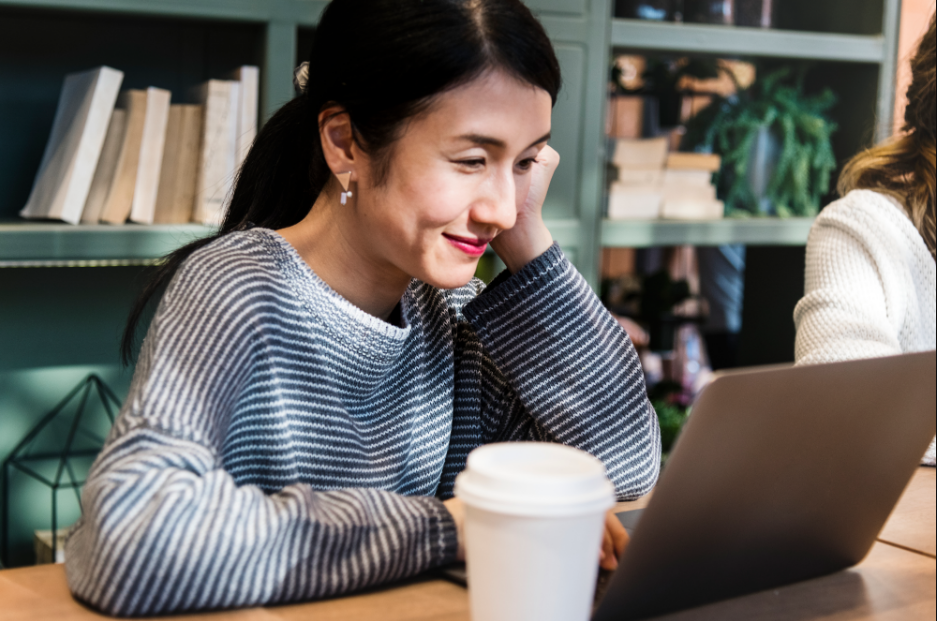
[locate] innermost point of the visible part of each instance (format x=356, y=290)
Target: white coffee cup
x=534, y=519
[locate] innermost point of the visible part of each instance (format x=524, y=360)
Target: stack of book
x=654, y=184
x=688, y=190
x=114, y=156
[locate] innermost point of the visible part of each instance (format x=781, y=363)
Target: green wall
x=25, y=396
x=57, y=325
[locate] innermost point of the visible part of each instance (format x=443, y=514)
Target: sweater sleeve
x=165, y=528
x=559, y=368
x=844, y=313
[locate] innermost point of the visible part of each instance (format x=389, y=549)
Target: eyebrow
x=488, y=141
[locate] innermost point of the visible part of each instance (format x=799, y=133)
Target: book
x=618, y=262
x=688, y=193
x=120, y=195
x=68, y=163
x=151, y=155
x=218, y=158
x=625, y=117
x=107, y=165
x=248, y=76
x=42, y=542
x=634, y=202
x=694, y=161
x=687, y=178
x=640, y=176
x=650, y=153
x=692, y=209
x=176, y=194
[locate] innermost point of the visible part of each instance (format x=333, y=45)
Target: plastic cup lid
x=534, y=479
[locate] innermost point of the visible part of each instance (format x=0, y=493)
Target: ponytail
x=278, y=183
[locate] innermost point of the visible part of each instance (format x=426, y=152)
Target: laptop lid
x=778, y=476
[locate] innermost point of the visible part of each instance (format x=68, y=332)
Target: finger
x=635, y=332
x=608, y=559
x=549, y=158
x=550, y=154
x=617, y=533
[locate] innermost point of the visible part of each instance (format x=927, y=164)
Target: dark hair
x=382, y=61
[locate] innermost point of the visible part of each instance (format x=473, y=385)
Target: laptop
x=779, y=476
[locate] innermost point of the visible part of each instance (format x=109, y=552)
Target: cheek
x=438, y=200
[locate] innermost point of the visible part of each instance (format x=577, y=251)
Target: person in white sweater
x=871, y=277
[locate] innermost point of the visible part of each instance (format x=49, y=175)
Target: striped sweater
x=279, y=444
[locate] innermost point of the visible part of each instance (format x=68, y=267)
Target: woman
x=314, y=378
x=870, y=281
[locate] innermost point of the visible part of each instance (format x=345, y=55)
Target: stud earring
x=345, y=179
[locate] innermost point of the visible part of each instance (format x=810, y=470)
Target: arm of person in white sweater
x=843, y=314
x=165, y=528
x=557, y=367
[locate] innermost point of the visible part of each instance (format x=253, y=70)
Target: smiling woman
x=316, y=374
x=464, y=174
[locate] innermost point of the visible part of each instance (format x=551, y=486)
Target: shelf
x=734, y=40
x=303, y=12
x=48, y=244
x=53, y=244
x=761, y=232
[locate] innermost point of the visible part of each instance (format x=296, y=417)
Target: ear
x=338, y=143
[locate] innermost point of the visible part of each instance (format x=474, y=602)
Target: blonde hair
x=905, y=165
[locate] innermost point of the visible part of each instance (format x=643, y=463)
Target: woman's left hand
x=614, y=542
x=530, y=237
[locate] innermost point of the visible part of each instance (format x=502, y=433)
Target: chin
x=453, y=278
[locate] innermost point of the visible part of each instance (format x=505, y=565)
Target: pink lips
x=470, y=246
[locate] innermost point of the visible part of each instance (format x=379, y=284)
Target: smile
x=470, y=246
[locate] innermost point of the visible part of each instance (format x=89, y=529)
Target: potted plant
x=775, y=146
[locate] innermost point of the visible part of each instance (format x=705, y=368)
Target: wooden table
x=913, y=523
x=896, y=582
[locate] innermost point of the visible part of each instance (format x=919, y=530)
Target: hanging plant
x=800, y=125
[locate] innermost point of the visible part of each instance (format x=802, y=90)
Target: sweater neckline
x=345, y=322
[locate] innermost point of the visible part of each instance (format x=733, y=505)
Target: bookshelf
x=63, y=245
x=732, y=40
x=57, y=324
x=294, y=11
x=750, y=232
x=266, y=32
x=847, y=45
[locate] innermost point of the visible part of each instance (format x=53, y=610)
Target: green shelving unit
x=758, y=42
x=877, y=50
x=585, y=36
x=849, y=46
x=50, y=244
x=750, y=232
x=47, y=244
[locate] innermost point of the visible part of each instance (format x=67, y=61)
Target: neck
x=328, y=239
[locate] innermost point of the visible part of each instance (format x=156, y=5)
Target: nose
x=497, y=205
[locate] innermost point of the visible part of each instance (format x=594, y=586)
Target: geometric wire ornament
x=59, y=463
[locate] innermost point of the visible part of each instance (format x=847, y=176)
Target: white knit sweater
x=870, y=287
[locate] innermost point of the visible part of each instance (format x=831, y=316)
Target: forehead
x=496, y=105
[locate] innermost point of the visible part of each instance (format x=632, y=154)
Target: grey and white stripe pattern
x=278, y=444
